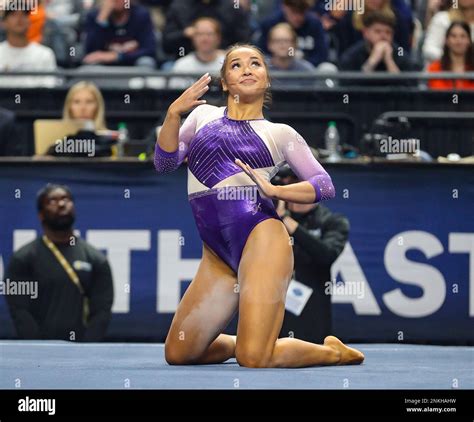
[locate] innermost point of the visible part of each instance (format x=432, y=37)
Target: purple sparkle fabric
x=212, y=150
x=165, y=162
x=323, y=186
x=301, y=160
x=225, y=225
x=212, y=154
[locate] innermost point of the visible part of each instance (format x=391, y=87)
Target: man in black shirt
x=319, y=237
x=74, y=281
x=377, y=52
x=11, y=144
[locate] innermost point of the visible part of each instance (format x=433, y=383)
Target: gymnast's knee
x=176, y=355
x=252, y=357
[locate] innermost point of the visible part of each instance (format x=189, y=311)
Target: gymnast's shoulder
x=281, y=130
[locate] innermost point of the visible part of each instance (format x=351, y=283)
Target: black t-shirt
x=11, y=143
x=57, y=311
x=356, y=56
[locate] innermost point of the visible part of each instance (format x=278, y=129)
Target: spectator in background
x=61, y=31
x=331, y=13
x=179, y=29
x=329, y=16
x=206, y=56
x=377, y=51
x=349, y=29
x=66, y=12
x=458, y=56
x=311, y=36
x=403, y=8
x=436, y=32
x=74, y=281
x=85, y=102
x=17, y=54
x=282, y=45
x=426, y=9
x=10, y=142
x=319, y=237
x=37, y=23
x=120, y=34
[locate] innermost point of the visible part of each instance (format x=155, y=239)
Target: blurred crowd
x=190, y=35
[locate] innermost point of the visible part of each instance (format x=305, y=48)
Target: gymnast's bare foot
x=349, y=356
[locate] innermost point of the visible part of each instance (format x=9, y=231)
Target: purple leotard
x=225, y=202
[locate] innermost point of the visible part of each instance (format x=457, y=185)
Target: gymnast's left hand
x=263, y=185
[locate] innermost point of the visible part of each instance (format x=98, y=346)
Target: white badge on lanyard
x=297, y=296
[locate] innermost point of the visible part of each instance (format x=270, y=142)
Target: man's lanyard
x=70, y=272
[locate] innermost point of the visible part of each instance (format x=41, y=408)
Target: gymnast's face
x=246, y=76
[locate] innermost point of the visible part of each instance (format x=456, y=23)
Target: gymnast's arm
x=316, y=184
x=172, y=143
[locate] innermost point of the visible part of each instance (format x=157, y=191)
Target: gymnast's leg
x=265, y=269
x=203, y=313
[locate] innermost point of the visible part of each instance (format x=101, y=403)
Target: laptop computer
x=48, y=131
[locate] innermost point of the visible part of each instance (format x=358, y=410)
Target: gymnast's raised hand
x=167, y=137
x=190, y=98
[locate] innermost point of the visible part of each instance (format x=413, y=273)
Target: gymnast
x=247, y=258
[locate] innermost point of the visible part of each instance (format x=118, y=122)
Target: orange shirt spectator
x=448, y=83
x=37, y=21
x=458, y=57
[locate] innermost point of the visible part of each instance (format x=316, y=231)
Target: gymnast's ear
x=224, y=86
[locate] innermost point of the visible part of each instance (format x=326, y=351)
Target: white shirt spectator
x=34, y=57
x=436, y=34
x=191, y=64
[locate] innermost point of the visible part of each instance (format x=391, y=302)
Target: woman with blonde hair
x=85, y=102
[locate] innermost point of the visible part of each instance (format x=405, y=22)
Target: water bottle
x=254, y=8
x=331, y=139
x=88, y=125
x=122, y=138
